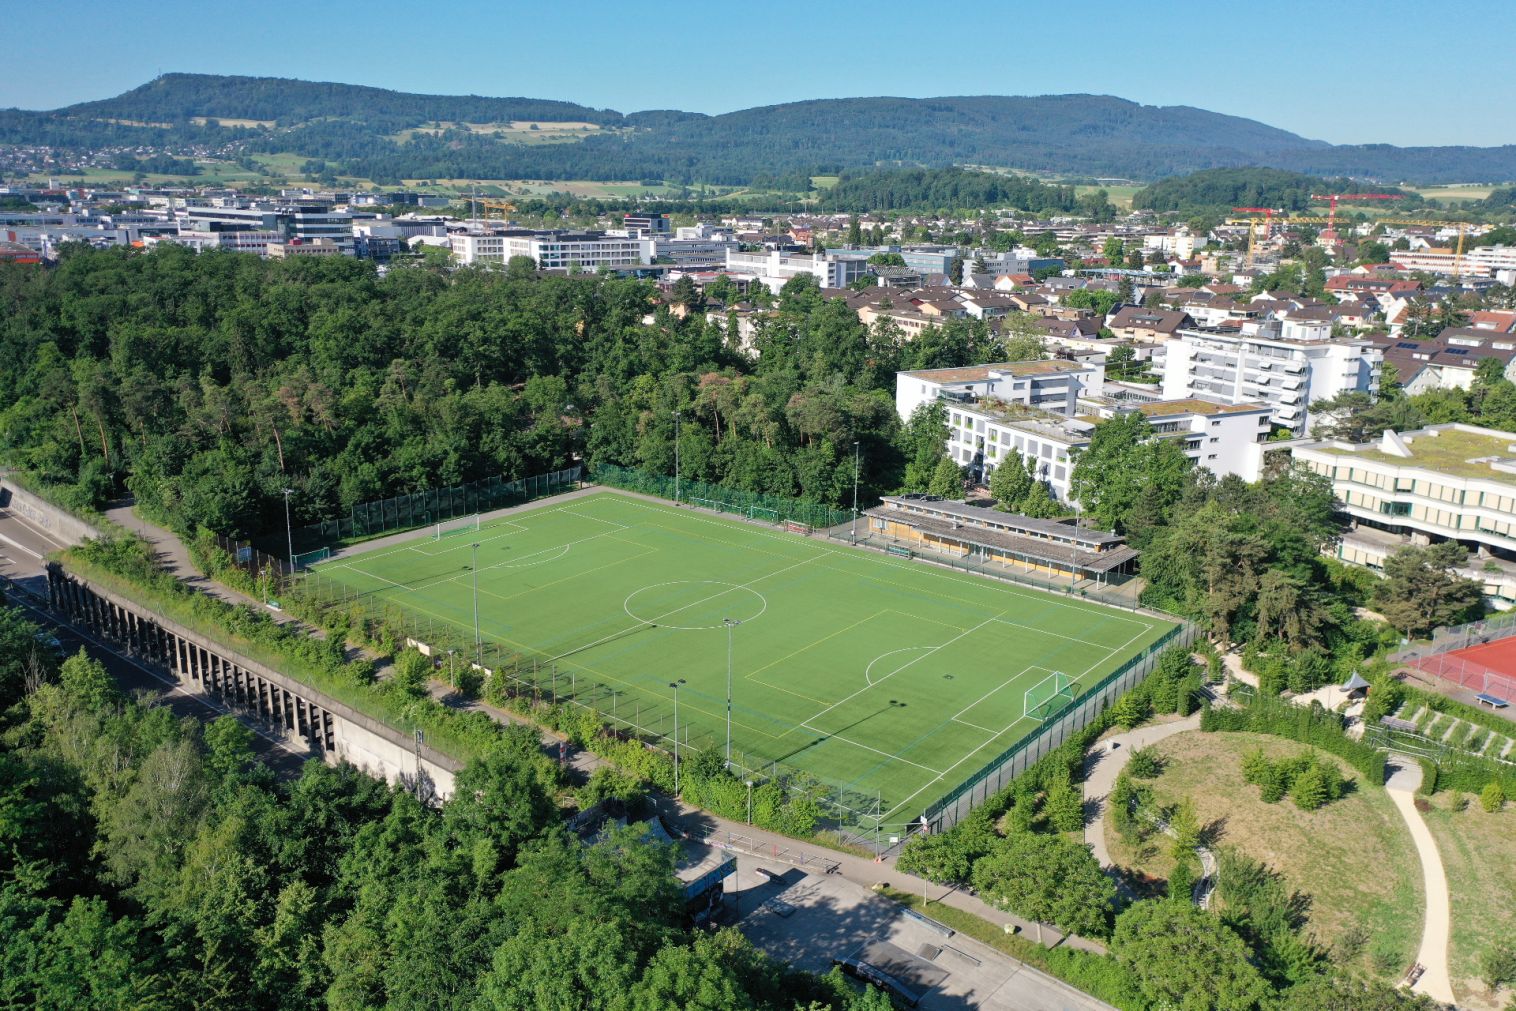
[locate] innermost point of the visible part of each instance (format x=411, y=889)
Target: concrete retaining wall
x=314, y=722
x=60, y=525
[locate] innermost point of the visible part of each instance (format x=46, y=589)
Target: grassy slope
x=1479, y=856
x=1354, y=857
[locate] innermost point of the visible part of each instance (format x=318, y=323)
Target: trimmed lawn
x=1479, y=856
x=1354, y=857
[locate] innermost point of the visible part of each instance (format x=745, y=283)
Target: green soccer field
x=873, y=673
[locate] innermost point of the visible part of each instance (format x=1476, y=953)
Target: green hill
x=388, y=135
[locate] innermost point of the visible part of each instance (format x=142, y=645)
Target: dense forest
x=361, y=131
x=1225, y=188
x=151, y=864
x=927, y=189
x=204, y=384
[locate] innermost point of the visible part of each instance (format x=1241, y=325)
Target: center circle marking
x=740, y=598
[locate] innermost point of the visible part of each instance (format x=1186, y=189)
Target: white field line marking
x=892, y=757
x=981, y=747
x=992, y=691
x=881, y=656
x=930, y=650
x=683, y=607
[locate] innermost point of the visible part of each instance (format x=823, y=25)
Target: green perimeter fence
x=732, y=501
x=1057, y=728
x=433, y=505
x=500, y=673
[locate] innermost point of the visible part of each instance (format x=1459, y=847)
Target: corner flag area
x=891, y=680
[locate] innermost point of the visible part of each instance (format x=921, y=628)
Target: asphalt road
x=23, y=551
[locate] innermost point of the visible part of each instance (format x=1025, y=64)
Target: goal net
x=760, y=513
x=454, y=526
x=796, y=527
x=713, y=505
x=1049, y=695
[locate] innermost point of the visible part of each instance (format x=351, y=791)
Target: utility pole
x=730, y=623
x=855, y=491
x=289, y=531
x=474, y=548
x=675, y=685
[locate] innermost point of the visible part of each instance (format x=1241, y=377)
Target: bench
x=902, y=552
x=1493, y=701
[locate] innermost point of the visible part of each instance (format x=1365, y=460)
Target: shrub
x=1492, y=797
x=1315, y=726
x=1497, y=967
x=1144, y=763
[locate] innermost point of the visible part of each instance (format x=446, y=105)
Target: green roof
x=1451, y=452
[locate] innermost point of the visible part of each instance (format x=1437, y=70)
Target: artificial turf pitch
x=873, y=673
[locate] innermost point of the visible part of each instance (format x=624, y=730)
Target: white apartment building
x=1011, y=407
x=775, y=268
x=1287, y=373
x=551, y=250
x=1480, y=261
x=1445, y=482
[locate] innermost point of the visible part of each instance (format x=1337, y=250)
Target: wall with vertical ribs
x=280, y=706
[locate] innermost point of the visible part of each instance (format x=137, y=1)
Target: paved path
x=1102, y=765
x=1435, y=982
x=173, y=555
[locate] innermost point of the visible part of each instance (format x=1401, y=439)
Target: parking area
x=811, y=919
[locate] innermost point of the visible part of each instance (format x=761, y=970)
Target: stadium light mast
x=675, y=685
x=855, y=492
x=289, y=531
x=731, y=624
x=478, y=649
x=677, y=419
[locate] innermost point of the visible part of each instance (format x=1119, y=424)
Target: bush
x=1263, y=714
x=1492, y=797
x=1497, y=967
x=1144, y=763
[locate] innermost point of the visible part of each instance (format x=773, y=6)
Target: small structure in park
x=1050, y=549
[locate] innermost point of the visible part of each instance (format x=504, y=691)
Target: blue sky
x=1395, y=71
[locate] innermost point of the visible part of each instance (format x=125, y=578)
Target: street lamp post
x=730, y=623
x=675, y=685
x=474, y=548
x=855, y=491
x=289, y=531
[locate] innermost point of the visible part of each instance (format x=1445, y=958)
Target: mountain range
x=387, y=135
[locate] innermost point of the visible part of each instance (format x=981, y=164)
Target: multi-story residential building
x=1446, y=482
x=1028, y=408
x=832, y=269
x=1285, y=372
x=1481, y=261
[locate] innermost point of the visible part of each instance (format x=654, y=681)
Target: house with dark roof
x=1137, y=323
x=1450, y=360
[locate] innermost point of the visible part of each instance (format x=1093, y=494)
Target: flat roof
x=1031, y=524
x=1451, y=451
x=1194, y=405
x=981, y=373
x=1033, y=548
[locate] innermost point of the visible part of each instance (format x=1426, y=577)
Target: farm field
x=1354, y=857
x=885, y=678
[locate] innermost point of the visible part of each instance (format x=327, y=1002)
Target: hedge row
x=1266, y=714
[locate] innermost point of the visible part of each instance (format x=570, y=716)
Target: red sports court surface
x=1489, y=668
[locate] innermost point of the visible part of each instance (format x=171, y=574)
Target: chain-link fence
x=1437, y=657
x=1072, y=718
x=748, y=504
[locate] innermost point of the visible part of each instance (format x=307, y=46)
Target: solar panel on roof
x=1408, y=345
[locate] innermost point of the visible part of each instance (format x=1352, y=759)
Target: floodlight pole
x=675, y=685
x=855, y=492
x=289, y=531
x=452, y=670
x=730, y=623
x=677, y=419
x=750, y=802
x=478, y=657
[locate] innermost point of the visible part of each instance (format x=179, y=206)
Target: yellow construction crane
x=1283, y=222
x=497, y=208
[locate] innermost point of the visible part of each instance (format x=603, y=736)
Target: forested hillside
x=206, y=383
x=924, y=189
x=366, y=133
x=1225, y=188
x=151, y=864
